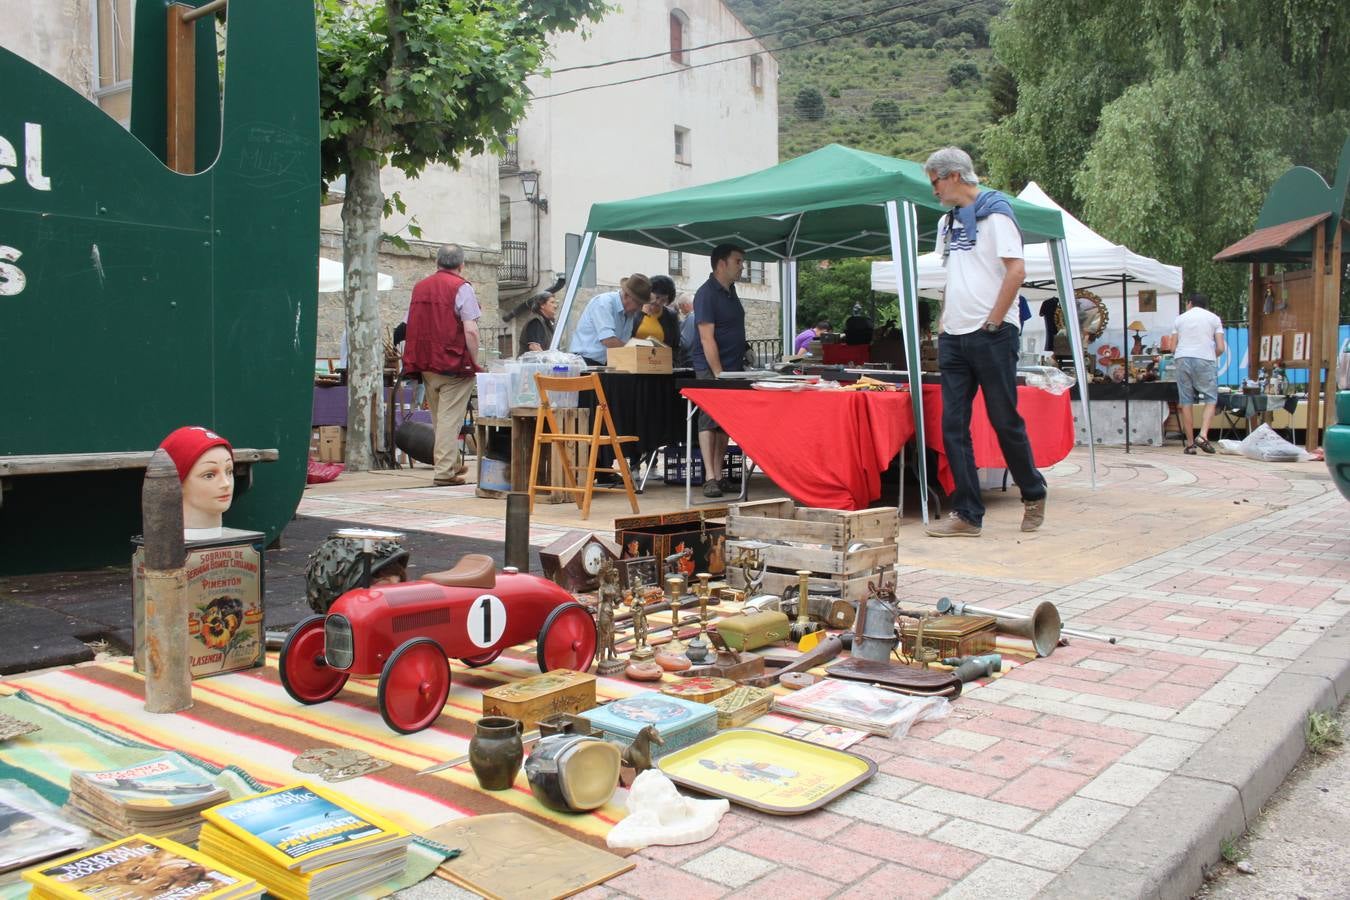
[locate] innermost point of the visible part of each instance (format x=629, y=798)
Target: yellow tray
x=768, y=772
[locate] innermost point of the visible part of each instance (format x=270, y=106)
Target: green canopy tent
x=833, y=203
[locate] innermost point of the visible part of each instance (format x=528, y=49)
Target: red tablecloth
x=829, y=448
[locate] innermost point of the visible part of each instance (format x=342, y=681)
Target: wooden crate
x=815, y=539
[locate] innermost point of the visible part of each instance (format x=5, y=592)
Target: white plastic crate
x=494, y=394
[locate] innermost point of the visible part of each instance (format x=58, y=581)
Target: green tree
x=1165, y=123
x=886, y=111
x=958, y=73
x=829, y=292
x=407, y=83
x=809, y=104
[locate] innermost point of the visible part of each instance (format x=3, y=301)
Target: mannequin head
x=205, y=463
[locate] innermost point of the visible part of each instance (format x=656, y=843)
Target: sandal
x=1189, y=450
x=1204, y=444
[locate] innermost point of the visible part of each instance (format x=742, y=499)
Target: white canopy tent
x=1108, y=269
x=330, y=277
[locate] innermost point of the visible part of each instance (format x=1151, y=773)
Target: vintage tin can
x=700, y=689
x=678, y=722
x=742, y=705
x=753, y=630
x=558, y=691
x=953, y=635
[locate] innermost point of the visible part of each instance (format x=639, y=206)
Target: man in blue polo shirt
x=720, y=347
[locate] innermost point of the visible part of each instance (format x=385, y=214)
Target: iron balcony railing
x=514, y=269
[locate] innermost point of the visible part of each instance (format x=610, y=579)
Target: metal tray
x=774, y=774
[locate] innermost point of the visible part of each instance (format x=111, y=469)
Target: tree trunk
x=362, y=211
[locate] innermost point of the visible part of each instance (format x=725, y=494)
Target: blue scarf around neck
x=986, y=204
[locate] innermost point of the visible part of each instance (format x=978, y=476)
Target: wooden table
x=522, y=421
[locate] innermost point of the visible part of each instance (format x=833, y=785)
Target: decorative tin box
x=700, y=689
x=742, y=705
x=953, y=635
x=559, y=691
x=753, y=630
x=678, y=722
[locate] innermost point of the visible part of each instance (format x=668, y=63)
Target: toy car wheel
x=414, y=685
x=482, y=659
x=568, y=639
x=305, y=674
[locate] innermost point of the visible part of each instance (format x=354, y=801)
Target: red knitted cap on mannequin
x=186, y=445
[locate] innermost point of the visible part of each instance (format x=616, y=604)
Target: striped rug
x=247, y=720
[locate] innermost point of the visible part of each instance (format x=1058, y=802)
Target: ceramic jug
x=495, y=752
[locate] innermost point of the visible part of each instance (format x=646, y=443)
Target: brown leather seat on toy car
x=472, y=570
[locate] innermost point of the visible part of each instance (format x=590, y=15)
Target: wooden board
x=782, y=520
x=853, y=587
x=509, y=855
x=826, y=561
x=53, y=463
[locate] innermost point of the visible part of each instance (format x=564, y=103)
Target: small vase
x=495, y=752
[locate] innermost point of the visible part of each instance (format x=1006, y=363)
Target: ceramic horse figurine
x=638, y=755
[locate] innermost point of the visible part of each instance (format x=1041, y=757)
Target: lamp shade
x=1136, y=325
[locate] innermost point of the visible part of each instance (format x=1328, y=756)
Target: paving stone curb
x=1159, y=850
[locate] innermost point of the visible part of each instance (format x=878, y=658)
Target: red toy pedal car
x=404, y=632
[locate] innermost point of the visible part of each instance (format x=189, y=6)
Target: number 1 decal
x=486, y=621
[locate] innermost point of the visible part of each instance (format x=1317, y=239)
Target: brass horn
x=1042, y=627
x=947, y=605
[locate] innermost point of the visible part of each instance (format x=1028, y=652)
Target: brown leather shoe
x=447, y=482
x=953, y=526
x=1033, y=514
x=462, y=470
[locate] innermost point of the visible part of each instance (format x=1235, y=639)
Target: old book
x=163, y=795
x=32, y=829
x=856, y=705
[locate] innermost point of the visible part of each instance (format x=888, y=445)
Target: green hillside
x=902, y=82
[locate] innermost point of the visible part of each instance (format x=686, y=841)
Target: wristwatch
x=991, y=327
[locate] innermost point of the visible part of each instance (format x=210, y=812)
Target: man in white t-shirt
x=977, y=348
x=1200, y=340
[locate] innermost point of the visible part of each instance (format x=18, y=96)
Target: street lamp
x=529, y=183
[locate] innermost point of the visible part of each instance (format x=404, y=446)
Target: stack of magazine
x=31, y=829
x=143, y=867
x=164, y=795
x=305, y=842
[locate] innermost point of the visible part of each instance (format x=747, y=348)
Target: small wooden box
x=953, y=635
x=678, y=722
x=643, y=359
x=742, y=705
x=754, y=630
x=699, y=689
x=559, y=691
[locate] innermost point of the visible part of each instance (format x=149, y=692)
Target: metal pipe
x=955, y=607
x=204, y=10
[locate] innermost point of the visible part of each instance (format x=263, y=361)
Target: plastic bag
x=1266, y=445
x=321, y=472
x=1047, y=378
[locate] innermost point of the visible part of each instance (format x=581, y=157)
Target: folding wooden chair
x=547, y=432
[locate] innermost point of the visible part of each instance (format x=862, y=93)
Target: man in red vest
x=441, y=341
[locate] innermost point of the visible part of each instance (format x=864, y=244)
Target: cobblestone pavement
x=1215, y=572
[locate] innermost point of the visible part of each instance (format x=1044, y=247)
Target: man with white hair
x=977, y=347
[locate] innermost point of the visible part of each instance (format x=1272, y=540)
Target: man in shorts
x=1200, y=341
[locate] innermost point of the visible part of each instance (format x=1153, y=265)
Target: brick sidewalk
x=1032, y=769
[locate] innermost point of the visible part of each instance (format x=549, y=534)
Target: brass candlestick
x=675, y=590
x=697, y=650
x=803, y=625
x=750, y=560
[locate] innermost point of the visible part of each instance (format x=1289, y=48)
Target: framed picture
x=1300, y=346
x=1276, y=347
x=1148, y=301
x=1265, y=349
x=642, y=570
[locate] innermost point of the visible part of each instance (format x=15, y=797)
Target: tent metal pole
x=573, y=284
x=1059, y=254
x=905, y=258
x=1125, y=324
x=786, y=307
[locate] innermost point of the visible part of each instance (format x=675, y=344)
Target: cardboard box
x=641, y=358
x=314, y=444
x=332, y=443
x=700, y=530
x=559, y=691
